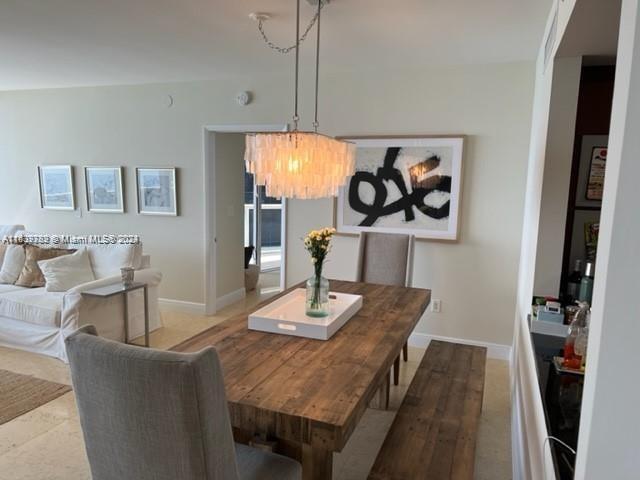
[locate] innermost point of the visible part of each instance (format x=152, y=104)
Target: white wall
x=229, y=193
x=474, y=277
x=557, y=174
x=491, y=104
x=609, y=423
x=531, y=460
x=129, y=126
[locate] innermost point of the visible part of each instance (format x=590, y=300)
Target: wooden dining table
x=309, y=395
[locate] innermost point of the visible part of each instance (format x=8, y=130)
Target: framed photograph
x=407, y=185
x=55, y=183
x=591, y=170
x=157, y=191
x=595, y=185
x=104, y=189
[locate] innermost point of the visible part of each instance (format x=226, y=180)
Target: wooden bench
x=434, y=432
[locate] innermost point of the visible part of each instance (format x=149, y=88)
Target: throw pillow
x=107, y=260
x=12, y=265
x=31, y=275
x=68, y=271
x=3, y=249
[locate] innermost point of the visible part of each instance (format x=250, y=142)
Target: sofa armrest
x=107, y=314
x=150, y=276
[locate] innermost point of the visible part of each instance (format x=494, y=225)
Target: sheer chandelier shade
x=299, y=164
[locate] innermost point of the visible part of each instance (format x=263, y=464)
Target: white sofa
x=38, y=321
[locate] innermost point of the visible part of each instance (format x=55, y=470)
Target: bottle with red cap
x=573, y=358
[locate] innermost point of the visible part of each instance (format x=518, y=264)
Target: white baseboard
x=230, y=298
x=494, y=350
x=181, y=306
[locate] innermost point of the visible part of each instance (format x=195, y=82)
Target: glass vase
x=317, y=304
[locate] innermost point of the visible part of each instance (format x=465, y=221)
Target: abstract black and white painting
x=403, y=185
x=104, y=189
x=157, y=191
x=56, y=187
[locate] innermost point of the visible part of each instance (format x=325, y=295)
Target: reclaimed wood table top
x=313, y=392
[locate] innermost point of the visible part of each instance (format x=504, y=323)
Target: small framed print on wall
x=104, y=189
x=591, y=170
x=157, y=191
x=56, y=187
x=403, y=185
x=595, y=186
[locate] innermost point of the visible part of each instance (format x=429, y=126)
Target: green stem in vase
x=315, y=300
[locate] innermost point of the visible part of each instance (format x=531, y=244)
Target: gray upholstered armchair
x=386, y=259
x=154, y=415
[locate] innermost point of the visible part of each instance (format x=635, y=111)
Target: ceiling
x=61, y=43
x=592, y=31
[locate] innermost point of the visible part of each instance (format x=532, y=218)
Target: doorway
x=240, y=221
x=263, y=234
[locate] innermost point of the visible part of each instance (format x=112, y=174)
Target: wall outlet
x=436, y=306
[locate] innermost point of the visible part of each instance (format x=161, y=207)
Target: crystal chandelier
x=299, y=164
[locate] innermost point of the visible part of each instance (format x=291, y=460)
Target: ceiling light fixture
x=299, y=164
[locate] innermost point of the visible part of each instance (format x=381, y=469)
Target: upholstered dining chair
x=387, y=259
x=148, y=414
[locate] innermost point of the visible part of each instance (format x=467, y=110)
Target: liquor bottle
x=573, y=283
x=582, y=341
x=586, y=284
x=571, y=358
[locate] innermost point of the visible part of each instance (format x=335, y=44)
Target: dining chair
x=387, y=259
x=154, y=415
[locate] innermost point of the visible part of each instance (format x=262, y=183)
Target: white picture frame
x=156, y=191
x=104, y=189
x=405, y=185
x=56, y=187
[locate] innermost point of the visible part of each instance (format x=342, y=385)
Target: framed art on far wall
x=104, y=189
x=157, y=191
x=591, y=170
x=409, y=185
x=55, y=183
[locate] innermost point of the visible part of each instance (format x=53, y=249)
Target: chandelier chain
x=302, y=38
x=295, y=114
x=316, y=124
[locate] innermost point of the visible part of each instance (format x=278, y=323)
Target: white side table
x=120, y=289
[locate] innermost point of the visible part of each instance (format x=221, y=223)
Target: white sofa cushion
x=14, y=258
x=5, y=288
x=8, y=230
x=32, y=305
x=107, y=260
x=67, y=271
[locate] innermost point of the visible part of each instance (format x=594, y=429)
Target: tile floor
x=46, y=443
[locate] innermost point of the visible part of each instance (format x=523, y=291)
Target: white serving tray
x=286, y=315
